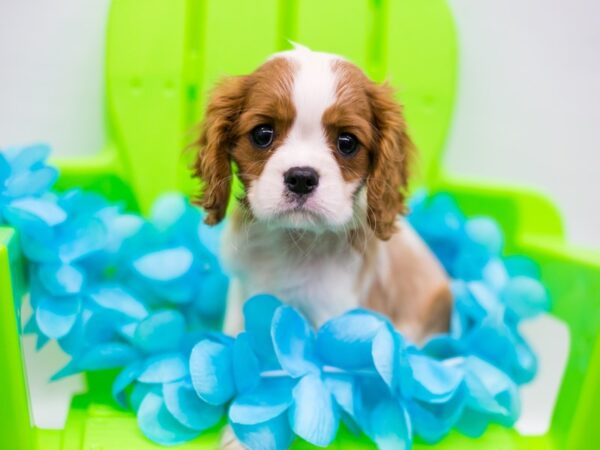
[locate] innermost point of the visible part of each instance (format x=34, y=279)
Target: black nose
x=301, y=180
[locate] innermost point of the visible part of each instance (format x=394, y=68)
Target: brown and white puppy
x=323, y=155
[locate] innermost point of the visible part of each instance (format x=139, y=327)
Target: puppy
x=323, y=156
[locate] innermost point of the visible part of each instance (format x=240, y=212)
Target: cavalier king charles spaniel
x=323, y=155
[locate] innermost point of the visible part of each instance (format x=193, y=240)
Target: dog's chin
x=305, y=219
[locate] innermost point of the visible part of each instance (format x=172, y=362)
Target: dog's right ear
x=213, y=161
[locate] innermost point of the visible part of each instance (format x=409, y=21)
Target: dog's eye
x=262, y=136
x=347, y=144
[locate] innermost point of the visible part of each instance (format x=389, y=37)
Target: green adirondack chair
x=161, y=58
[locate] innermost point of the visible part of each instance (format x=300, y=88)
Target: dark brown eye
x=262, y=136
x=347, y=144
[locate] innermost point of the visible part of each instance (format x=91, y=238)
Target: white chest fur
x=316, y=273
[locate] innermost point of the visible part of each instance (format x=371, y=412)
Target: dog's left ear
x=213, y=162
x=391, y=154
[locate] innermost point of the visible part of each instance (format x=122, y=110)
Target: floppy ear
x=391, y=154
x=213, y=162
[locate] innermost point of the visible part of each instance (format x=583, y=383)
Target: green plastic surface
x=161, y=58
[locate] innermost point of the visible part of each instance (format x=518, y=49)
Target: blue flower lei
x=147, y=296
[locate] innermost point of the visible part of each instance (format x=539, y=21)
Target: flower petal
x=258, y=315
x=434, y=381
x=185, y=406
x=485, y=232
x=106, y=356
x=346, y=341
x=125, y=378
x=210, y=369
x=168, y=210
x=55, y=317
x=313, y=414
x=246, y=367
x=391, y=361
x=30, y=182
x=342, y=387
x=390, y=426
x=491, y=391
x=270, y=398
x=24, y=158
x=526, y=297
x=160, y=331
x=62, y=279
x=293, y=340
x=164, y=369
x=165, y=265
x=158, y=425
x=117, y=299
x=274, y=434
x=83, y=237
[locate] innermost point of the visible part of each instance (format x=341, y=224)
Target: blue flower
x=119, y=291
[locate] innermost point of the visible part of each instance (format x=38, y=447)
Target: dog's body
x=326, y=274
x=323, y=156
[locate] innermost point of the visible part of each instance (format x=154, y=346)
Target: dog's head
x=316, y=143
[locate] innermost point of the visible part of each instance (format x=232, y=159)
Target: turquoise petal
x=485, y=232
x=106, y=356
x=390, y=426
x=125, y=378
x=32, y=209
x=55, y=317
x=117, y=299
x=168, y=210
x=313, y=414
x=165, y=265
x=342, y=387
x=390, y=360
x=435, y=381
x=160, y=331
x=158, y=425
x=5, y=169
x=212, y=294
x=61, y=279
x=185, y=406
x=246, y=367
x=164, y=369
x=139, y=392
x=293, y=340
x=24, y=158
x=518, y=265
x=491, y=391
x=526, y=297
x=210, y=369
x=275, y=434
x=85, y=237
x=258, y=315
x=270, y=398
x=35, y=182
x=346, y=341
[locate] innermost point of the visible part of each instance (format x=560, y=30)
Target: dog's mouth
x=301, y=214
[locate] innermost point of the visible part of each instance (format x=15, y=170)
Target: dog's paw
x=229, y=441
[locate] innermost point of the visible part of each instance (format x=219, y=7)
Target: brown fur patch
x=370, y=111
x=351, y=113
x=410, y=286
x=237, y=105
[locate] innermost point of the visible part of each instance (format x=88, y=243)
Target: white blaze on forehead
x=314, y=89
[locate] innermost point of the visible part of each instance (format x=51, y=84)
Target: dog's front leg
x=234, y=311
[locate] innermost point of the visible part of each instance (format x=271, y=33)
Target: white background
x=527, y=109
x=527, y=113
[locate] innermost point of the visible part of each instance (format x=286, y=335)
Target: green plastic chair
x=163, y=55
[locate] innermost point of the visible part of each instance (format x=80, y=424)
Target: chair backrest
x=164, y=55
